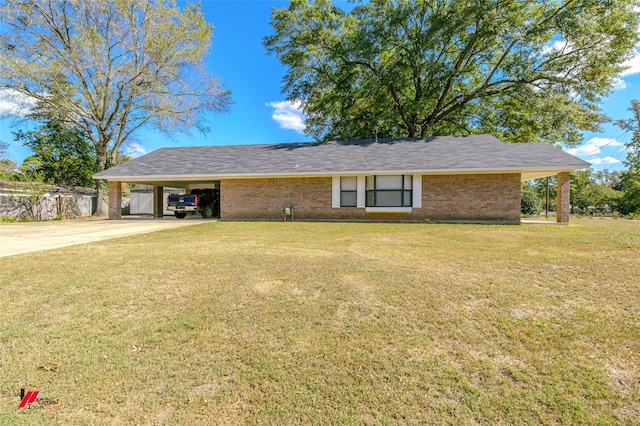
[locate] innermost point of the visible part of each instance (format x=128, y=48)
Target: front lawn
x=328, y=323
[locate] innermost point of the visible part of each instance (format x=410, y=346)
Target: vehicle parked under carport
x=205, y=201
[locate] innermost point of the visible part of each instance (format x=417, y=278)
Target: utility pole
x=546, y=209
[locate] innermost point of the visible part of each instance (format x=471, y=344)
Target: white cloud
x=604, y=161
x=633, y=65
x=288, y=115
x=13, y=103
x=619, y=84
x=593, y=145
x=557, y=46
x=134, y=150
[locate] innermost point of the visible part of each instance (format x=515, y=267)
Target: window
x=349, y=191
x=389, y=191
x=377, y=194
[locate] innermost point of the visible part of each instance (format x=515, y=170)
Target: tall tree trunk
x=102, y=205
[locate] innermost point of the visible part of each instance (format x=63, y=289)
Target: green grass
x=329, y=323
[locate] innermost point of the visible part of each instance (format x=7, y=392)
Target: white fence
x=49, y=206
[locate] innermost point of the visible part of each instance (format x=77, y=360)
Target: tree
x=62, y=155
x=596, y=189
x=529, y=201
x=631, y=178
x=111, y=67
x=521, y=70
x=6, y=164
x=546, y=190
x=6, y=167
x=633, y=125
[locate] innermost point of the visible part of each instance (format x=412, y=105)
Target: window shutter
x=335, y=192
x=417, y=191
x=362, y=194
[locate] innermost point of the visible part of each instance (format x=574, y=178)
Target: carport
x=115, y=192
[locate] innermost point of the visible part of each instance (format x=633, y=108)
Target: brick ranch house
x=441, y=179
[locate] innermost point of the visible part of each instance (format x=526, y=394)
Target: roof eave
x=532, y=170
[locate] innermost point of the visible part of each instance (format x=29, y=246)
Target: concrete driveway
x=18, y=238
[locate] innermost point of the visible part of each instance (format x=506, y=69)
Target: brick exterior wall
x=474, y=198
x=265, y=198
x=492, y=198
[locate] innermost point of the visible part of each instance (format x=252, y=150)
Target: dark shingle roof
x=475, y=153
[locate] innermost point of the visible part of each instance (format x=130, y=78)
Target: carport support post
x=564, y=191
x=158, y=201
x=115, y=200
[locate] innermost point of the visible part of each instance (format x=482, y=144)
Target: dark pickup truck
x=204, y=201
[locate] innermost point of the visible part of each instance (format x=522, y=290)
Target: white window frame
x=362, y=195
x=378, y=186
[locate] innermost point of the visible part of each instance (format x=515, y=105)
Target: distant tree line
x=590, y=191
x=620, y=190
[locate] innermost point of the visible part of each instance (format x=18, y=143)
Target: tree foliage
x=596, y=189
x=529, y=202
x=633, y=125
x=110, y=68
x=631, y=178
x=521, y=70
x=630, y=203
x=6, y=164
x=542, y=187
x=62, y=155
x=588, y=189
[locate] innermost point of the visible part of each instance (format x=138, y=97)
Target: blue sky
x=261, y=115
